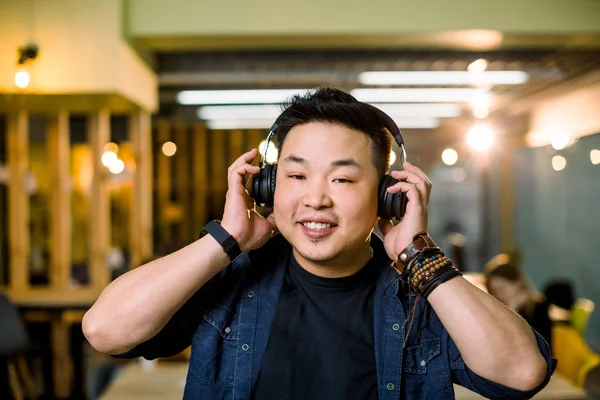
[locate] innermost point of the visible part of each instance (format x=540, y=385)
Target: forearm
x=494, y=342
x=137, y=305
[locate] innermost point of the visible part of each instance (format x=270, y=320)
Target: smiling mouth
x=316, y=225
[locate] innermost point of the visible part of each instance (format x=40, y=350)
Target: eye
x=342, y=180
x=295, y=176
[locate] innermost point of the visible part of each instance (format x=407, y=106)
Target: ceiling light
x=108, y=158
x=559, y=163
x=262, y=111
x=417, y=123
x=595, y=156
x=478, y=65
x=117, y=167
x=272, y=111
x=22, y=79
x=449, y=95
x=440, y=110
x=442, y=77
x=169, y=149
x=480, y=137
x=449, y=156
x=249, y=123
x=259, y=96
x=392, y=158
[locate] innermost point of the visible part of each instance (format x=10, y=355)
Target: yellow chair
x=575, y=358
x=580, y=314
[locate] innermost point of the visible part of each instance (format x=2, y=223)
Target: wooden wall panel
x=18, y=199
x=60, y=200
x=200, y=204
x=99, y=236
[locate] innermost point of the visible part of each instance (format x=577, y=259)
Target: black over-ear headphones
x=389, y=205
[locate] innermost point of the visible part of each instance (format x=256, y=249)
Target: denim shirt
x=228, y=323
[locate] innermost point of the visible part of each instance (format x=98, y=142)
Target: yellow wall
x=148, y=18
x=82, y=50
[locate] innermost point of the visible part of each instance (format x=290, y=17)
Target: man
x=316, y=311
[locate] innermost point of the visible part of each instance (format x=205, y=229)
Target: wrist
x=224, y=238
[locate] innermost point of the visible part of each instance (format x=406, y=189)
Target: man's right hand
x=240, y=218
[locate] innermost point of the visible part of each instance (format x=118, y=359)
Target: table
x=164, y=381
x=557, y=389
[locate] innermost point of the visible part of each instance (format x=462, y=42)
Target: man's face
x=326, y=192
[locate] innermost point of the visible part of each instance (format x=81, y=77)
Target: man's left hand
x=417, y=187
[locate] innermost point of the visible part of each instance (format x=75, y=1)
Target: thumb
x=385, y=225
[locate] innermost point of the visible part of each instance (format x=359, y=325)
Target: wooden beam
x=140, y=230
x=200, y=178
x=163, y=182
x=99, y=235
x=18, y=199
x=255, y=136
x=219, y=172
x=182, y=181
x=61, y=361
x=236, y=143
x=60, y=200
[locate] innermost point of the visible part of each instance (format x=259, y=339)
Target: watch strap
x=224, y=238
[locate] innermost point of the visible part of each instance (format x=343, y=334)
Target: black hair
x=331, y=105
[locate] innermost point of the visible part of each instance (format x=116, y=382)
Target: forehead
x=320, y=138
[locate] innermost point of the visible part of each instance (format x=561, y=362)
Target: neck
x=339, y=267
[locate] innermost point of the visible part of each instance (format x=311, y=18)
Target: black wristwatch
x=227, y=242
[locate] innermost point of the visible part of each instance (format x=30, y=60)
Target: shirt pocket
x=417, y=357
x=224, y=320
x=423, y=376
x=214, y=347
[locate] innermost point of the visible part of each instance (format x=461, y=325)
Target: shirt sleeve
x=462, y=375
x=177, y=334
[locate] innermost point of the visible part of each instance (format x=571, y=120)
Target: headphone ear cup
x=263, y=185
x=390, y=205
x=271, y=177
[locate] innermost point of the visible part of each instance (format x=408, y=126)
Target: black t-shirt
x=322, y=341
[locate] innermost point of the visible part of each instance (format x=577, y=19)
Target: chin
x=316, y=256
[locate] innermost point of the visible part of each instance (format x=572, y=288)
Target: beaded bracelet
x=430, y=270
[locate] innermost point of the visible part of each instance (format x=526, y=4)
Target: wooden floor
x=166, y=381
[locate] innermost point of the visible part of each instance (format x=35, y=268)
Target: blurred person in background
x=505, y=280
x=315, y=311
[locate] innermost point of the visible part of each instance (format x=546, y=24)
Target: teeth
x=316, y=225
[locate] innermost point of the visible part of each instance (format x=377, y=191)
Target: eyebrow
x=344, y=162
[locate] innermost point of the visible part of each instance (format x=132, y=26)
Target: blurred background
x=119, y=118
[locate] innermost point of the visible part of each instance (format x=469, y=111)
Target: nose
x=317, y=195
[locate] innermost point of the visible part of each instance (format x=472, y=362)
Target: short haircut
x=330, y=105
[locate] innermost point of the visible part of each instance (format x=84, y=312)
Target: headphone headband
x=389, y=124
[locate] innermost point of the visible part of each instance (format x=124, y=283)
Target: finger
x=236, y=177
x=245, y=158
x=413, y=194
x=410, y=177
x=385, y=225
x=415, y=170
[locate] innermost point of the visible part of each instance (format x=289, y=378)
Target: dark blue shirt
x=228, y=323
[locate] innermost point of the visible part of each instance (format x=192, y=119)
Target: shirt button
x=245, y=347
x=390, y=386
x=251, y=294
x=396, y=327
x=228, y=330
x=422, y=363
